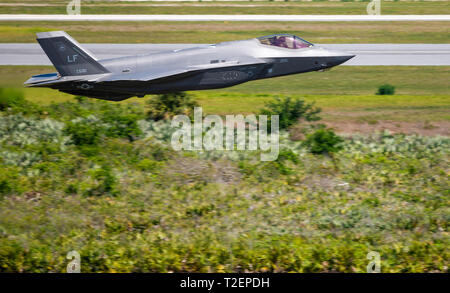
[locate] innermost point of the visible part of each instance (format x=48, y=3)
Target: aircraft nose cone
x=336, y=60
x=330, y=58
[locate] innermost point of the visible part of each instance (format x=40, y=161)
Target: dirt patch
x=188, y=170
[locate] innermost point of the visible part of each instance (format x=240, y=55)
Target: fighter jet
x=201, y=67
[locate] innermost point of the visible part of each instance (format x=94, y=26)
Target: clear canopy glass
x=285, y=41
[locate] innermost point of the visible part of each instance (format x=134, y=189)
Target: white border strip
x=177, y=17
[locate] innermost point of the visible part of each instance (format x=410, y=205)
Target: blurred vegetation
x=72, y=179
x=13, y=100
x=166, y=106
x=323, y=141
x=194, y=32
x=290, y=111
x=386, y=89
x=264, y=7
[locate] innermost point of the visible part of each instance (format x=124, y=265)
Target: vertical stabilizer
x=68, y=57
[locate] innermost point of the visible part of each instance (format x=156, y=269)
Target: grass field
x=345, y=80
x=322, y=7
x=213, y=32
x=346, y=94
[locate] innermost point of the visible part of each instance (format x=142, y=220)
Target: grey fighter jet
x=202, y=67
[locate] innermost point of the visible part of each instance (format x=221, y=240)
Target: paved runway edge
x=367, y=54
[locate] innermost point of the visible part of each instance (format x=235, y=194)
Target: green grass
x=213, y=32
x=350, y=80
x=323, y=7
x=344, y=93
x=341, y=108
x=336, y=107
x=408, y=108
x=342, y=80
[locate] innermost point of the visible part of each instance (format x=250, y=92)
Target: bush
x=168, y=105
x=281, y=162
x=386, y=89
x=106, y=182
x=115, y=120
x=290, y=111
x=121, y=124
x=84, y=107
x=22, y=131
x=125, y=126
x=13, y=99
x=84, y=131
x=148, y=165
x=323, y=141
x=11, y=181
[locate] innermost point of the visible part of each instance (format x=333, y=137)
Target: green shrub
x=148, y=165
x=126, y=126
x=84, y=131
x=5, y=186
x=104, y=110
x=91, y=118
x=81, y=99
x=13, y=99
x=284, y=157
x=10, y=98
x=45, y=135
x=290, y=111
x=71, y=189
x=168, y=105
x=106, y=182
x=386, y=89
x=11, y=181
x=123, y=125
x=323, y=141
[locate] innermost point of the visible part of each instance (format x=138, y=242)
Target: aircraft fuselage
x=198, y=68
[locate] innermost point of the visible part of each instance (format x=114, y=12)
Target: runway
x=366, y=54
x=218, y=17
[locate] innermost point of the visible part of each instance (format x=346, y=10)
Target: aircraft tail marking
x=66, y=54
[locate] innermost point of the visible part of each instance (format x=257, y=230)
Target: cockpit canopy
x=285, y=41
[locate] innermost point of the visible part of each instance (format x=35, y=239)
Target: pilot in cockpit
x=281, y=42
x=278, y=41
